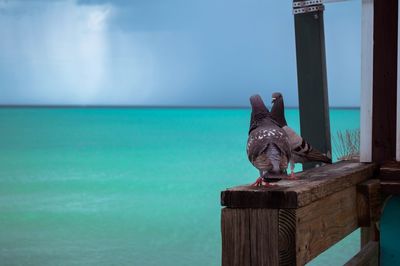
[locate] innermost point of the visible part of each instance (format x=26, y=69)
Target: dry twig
x=347, y=144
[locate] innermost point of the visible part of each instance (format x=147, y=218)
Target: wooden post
x=368, y=210
x=384, y=81
x=294, y=222
x=368, y=202
x=311, y=75
x=398, y=92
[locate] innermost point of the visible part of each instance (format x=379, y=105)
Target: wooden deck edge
x=312, y=186
x=331, y=186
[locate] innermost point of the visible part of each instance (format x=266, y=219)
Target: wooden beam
x=294, y=222
x=312, y=185
x=384, y=81
x=367, y=34
x=325, y=222
x=312, y=80
x=389, y=174
x=390, y=171
x=368, y=210
x=287, y=236
x=368, y=202
x=390, y=187
x=368, y=256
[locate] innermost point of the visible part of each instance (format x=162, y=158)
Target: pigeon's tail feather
x=315, y=155
x=277, y=158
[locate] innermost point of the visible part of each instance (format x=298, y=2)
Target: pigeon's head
x=257, y=106
x=258, y=111
x=278, y=109
x=276, y=96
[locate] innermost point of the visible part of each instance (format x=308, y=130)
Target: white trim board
x=367, y=40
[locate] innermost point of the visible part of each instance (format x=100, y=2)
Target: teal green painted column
x=390, y=233
x=311, y=75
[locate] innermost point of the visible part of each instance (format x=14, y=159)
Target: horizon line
x=122, y=106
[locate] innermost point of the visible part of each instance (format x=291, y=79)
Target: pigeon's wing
x=302, y=150
x=294, y=139
x=260, y=139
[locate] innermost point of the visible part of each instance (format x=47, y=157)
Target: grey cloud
x=180, y=52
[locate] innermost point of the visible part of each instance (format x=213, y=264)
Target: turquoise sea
x=104, y=186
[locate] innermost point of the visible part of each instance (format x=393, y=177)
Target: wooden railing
x=296, y=221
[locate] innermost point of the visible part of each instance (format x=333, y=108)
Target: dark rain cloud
x=178, y=52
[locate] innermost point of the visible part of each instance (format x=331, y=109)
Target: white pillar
x=367, y=52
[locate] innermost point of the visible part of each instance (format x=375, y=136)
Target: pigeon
x=302, y=151
x=268, y=147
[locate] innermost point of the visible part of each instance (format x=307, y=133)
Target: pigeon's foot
x=260, y=182
x=292, y=176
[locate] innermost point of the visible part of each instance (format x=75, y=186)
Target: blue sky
x=166, y=52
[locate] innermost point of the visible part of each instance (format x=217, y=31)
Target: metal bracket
x=308, y=9
x=301, y=7
x=307, y=3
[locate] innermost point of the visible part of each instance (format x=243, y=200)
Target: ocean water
x=91, y=186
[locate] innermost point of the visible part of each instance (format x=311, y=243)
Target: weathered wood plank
x=249, y=237
x=389, y=174
x=368, y=202
x=368, y=256
x=345, y=174
x=235, y=227
x=258, y=197
x=323, y=223
x=312, y=185
x=390, y=171
x=264, y=237
x=390, y=187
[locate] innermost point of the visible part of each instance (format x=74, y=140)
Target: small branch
x=347, y=144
